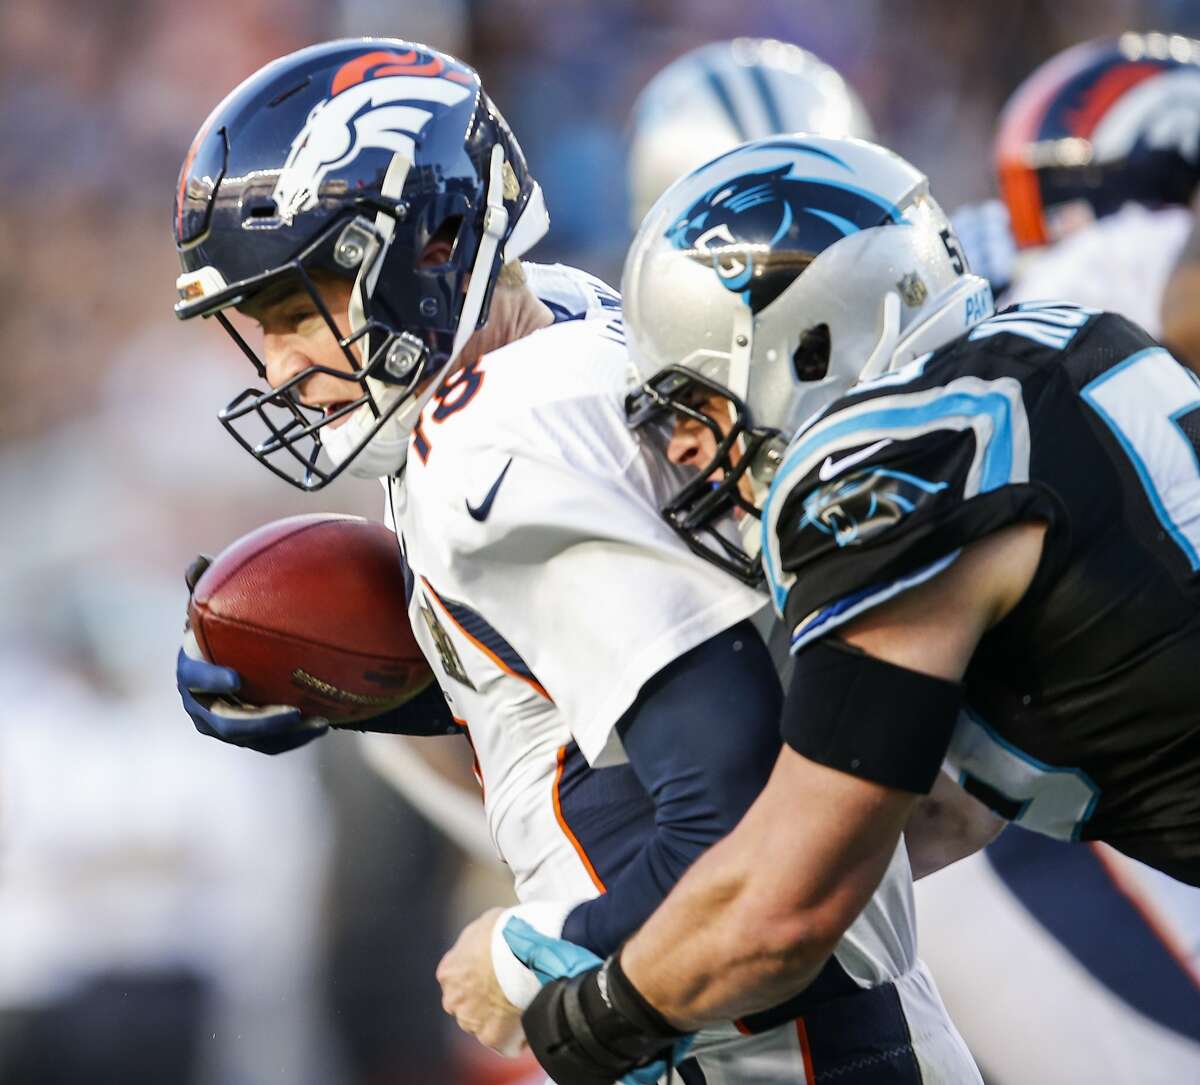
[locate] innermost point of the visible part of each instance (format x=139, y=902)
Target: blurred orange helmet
x=1101, y=124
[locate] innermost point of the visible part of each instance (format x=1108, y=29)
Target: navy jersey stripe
x=1067, y=889
x=479, y=630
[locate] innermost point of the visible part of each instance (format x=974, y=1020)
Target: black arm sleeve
x=702, y=739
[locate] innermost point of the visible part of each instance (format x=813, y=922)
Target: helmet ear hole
x=811, y=357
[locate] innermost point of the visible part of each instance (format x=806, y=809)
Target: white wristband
x=520, y=986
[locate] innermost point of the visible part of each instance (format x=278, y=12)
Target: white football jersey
x=1120, y=262
x=546, y=589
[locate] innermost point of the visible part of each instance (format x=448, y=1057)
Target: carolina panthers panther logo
x=762, y=229
x=861, y=506
x=379, y=100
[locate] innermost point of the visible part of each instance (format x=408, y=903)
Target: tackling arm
x=756, y=918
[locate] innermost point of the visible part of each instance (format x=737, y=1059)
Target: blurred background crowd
x=173, y=910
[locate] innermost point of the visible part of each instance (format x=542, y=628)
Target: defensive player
x=1002, y=523
x=365, y=203
x=1108, y=130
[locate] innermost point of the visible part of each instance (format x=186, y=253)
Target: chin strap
x=495, y=226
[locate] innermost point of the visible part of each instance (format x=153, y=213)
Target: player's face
x=296, y=336
x=693, y=444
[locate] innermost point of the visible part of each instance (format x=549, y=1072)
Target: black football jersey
x=1082, y=715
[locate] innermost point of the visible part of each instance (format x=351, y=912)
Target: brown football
x=311, y=612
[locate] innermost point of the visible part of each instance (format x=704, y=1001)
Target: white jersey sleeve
x=1119, y=263
x=549, y=545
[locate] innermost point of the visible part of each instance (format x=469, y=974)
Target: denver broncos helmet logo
x=379, y=100
x=859, y=507
x=762, y=229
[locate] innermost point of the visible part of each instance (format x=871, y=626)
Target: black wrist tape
x=619, y=993
x=582, y=1035
x=864, y=716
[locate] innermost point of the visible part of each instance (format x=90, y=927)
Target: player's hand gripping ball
x=311, y=613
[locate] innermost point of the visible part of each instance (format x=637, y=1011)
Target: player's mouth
x=338, y=412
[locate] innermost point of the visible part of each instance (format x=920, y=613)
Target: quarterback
x=985, y=549
x=365, y=204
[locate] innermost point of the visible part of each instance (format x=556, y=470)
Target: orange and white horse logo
x=364, y=111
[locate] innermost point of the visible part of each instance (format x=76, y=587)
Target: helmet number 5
x=953, y=250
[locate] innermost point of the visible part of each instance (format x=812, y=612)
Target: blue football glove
x=206, y=691
x=552, y=959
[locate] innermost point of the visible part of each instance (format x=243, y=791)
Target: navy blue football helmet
x=1099, y=125
x=346, y=159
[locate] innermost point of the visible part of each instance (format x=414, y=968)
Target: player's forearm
x=720, y=948
x=755, y=919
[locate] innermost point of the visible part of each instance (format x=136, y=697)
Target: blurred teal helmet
x=723, y=94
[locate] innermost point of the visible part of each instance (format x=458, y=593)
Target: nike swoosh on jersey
x=833, y=467
x=481, y=511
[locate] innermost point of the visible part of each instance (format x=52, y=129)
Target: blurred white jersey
x=1120, y=262
x=546, y=589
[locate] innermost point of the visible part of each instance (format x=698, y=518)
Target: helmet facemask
x=274, y=426
x=703, y=509
x=351, y=159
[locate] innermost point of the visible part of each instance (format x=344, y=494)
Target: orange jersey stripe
x=805, y=1050
x=533, y=683
x=1145, y=908
x=562, y=824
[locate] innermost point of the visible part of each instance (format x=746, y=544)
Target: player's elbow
x=945, y=826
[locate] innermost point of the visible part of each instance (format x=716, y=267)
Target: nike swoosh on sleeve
x=833, y=467
x=484, y=508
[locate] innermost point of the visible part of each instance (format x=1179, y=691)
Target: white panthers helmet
x=723, y=94
x=777, y=276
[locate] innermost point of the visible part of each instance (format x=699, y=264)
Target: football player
x=366, y=205
x=986, y=551
x=1107, y=130
x=704, y=102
